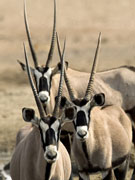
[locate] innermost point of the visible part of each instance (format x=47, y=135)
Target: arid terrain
x=80, y=22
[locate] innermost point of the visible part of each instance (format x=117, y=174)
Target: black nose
x=44, y=100
x=82, y=134
x=51, y=156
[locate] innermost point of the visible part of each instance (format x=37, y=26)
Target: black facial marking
x=42, y=69
x=52, y=120
x=50, y=137
x=43, y=85
x=48, y=170
x=42, y=139
x=81, y=119
x=80, y=102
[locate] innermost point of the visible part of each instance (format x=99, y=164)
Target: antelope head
x=49, y=125
x=79, y=110
x=42, y=74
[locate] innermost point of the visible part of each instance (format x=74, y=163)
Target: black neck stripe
x=48, y=171
x=92, y=169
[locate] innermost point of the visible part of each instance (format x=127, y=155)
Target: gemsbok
x=42, y=74
x=102, y=134
x=117, y=83
x=41, y=155
x=113, y=83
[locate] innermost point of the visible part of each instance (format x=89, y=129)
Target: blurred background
x=80, y=21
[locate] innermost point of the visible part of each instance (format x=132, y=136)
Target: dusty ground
x=80, y=22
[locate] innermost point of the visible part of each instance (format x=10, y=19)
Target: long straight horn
x=29, y=38
x=38, y=102
x=57, y=104
x=70, y=90
x=89, y=90
x=50, y=54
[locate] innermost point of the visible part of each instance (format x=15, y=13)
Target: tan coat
x=28, y=161
x=110, y=136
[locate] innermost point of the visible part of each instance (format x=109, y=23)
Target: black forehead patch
x=81, y=119
x=50, y=137
x=42, y=69
x=80, y=102
x=52, y=120
x=43, y=85
x=49, y=120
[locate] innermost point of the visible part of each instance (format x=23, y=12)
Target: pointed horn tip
x=24, y=4
x=57, y=36
x=24, y=46
x=18, y=61
x=65, y=41
x=99, y=38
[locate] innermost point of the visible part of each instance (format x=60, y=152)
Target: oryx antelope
x=42, y=74
x=103, y=135
x=41, y=155
x=118, y=82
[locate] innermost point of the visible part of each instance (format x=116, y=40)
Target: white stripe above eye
x=47, y=75
x=44, y=126
x=55, y=127
x=48, y=72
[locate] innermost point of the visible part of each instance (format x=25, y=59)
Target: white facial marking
x=82, y=131
x=44, y=96
x=55, y=127
x=85, y=110
x=51, y=151
x=51, y=148
x=47, y=75
x=44, y=126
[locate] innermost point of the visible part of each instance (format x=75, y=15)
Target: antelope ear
x=63, y=102
x=99, y=99
x=23, y=66
x=66, y=65
x=69, y=114
x=57, y=69
x=28, y=114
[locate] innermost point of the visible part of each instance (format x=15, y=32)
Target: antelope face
x=81, y=121
x=50, y=133
x=43, y=78
x=49, y=128
x=81, y=108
